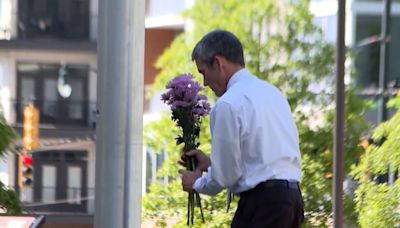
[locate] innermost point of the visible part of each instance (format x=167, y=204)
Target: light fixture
x=62, y=87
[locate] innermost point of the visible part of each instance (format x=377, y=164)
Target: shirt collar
x=237, y=76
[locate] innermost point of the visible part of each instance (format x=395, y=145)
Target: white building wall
x=166, y=13
x=6, y=82
x=5, y=19
x=8, y=19
x=156, y=8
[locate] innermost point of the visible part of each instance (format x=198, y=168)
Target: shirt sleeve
x=226, y=160
x=206, y=185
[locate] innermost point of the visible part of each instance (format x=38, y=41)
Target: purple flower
x=202, y=106
x=188, y=106
x=183, y=91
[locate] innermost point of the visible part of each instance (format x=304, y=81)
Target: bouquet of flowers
x=188, y=107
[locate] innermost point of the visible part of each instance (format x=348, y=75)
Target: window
x=60, y=181
x=49, y=184
x=367, y=56
x=41, y=84
x=74, y=185
x=154, y=161
x=380, y=1
x=328, y=25
x=60, y=19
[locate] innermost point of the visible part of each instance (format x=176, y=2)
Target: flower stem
x=192, y=207
x=199, y=205
x=188, y=209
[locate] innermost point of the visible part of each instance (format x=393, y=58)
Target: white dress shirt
x=254, y=137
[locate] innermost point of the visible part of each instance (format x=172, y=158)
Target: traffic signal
x=25, y=170
x=31, y=127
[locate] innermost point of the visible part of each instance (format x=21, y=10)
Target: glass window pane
x=48, y=183
x=368, y=50
x=74, y=185
x=50, y=97
x=375, y=0
x=28, y=89
x=75, y=108
x=26, y=195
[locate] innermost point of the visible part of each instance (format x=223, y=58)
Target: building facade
x=363, y=30
x=48, y=57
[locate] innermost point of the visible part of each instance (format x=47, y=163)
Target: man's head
x=218, y=55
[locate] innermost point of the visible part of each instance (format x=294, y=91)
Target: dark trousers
x=270, y=205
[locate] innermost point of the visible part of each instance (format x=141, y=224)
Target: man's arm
x=226, y=167
x=194, y=181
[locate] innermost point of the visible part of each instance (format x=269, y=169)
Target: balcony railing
x=58, y=19
x=74, y=202
x=75, y=113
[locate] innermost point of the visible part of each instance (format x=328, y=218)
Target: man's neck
x=232, y=70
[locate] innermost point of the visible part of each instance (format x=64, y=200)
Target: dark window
x=367, y=56
x=380, y=1
x=59, y=92
x=367, y=59
x=60, y=182
x=62, y=19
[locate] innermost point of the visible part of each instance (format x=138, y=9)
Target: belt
x=273, y=184
x=280, y=183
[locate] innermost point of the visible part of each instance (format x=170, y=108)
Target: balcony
x=48, y=24
x=67, y=114
x=55, y=19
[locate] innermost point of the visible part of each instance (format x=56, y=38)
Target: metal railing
x=62, y=112
x=60, y=19
x=75, y=199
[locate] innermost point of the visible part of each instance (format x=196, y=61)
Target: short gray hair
x=219, y=42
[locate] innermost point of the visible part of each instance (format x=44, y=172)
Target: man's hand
x=202, y=161
x=188, y=179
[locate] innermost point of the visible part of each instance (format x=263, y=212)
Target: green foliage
x=9, y=201
x=378, y=204
x=6, y=136
x=168, y=200
x=284, y=47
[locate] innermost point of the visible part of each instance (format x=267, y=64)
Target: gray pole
x=383, y=63
x=383, y=75
x=120, y=106
x=338, y=145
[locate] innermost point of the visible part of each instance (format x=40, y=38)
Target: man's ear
x=219, y=61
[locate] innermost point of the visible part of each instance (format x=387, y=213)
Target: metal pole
x=16, y=170
x=120, y=108
x=134, y=118
x=383, y=63
x=383, y=75
x=338, y=145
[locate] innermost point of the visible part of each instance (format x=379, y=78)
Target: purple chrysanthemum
x=202, y=106
x=183, y=92
x=188, y=106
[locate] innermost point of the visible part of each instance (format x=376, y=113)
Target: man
x=254, y=148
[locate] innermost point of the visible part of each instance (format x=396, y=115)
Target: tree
x=378, y=203
x=9, y=201
x=284, y=47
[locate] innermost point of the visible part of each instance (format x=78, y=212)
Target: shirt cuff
x=201, y=181
x=206, y=185
x=197, y=184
